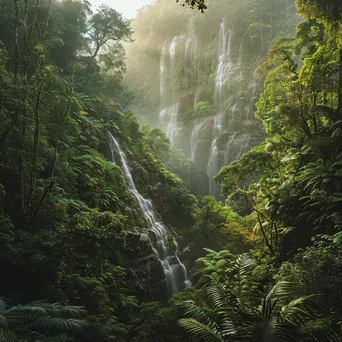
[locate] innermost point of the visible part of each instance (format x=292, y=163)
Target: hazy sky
x=128, y=8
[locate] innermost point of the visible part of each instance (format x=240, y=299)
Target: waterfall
x=172, y=56
x=233, y=100
x=222, y=78
x=221, y=70
x=190, y=51
x=162, y=75
x=228, y=152
x=159, y=237
x=172, y=113
x=242, y=143
x=173, y=109
x=236, y=146
x=229, y=115
x=169, y=105
x=194, y=139
x=168, y=114
x=212, y=167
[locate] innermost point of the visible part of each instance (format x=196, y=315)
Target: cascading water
x=194, y=139
x=242, y=142
x=191, y=46
x=172, y=54
x=172, y=114
x=222, y=84
x=159, y=237
x=169, y=105
x=227, y=154
x=223, y=68
x=168, y=114
x=211, y=140
x=230, y=116
x=162, y=75
x=212, y=167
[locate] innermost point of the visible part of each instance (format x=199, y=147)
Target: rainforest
x=172, y=177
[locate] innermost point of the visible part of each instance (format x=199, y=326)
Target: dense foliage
x=67, y=218
x=266, y=258
x=293, y=200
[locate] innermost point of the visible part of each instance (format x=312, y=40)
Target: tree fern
x=38, y=320
x=238, y=312
x=200, y=331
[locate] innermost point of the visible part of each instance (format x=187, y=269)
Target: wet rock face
x=196, y=138
x=202, y=153
x=146, y=272
x=212, y=124
x=155, y=258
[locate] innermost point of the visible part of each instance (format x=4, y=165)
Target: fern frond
x=200, y=331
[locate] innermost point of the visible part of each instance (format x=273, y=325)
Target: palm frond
x=267, y=308
x=280, y=332
x=296, y=309
x=243, y=264
x=191, y=309
x=37, y=320
x=12, y=318
x=8, y=336
x=282, y=289
x=217, y=295
x=200, y=331
x=55, y=309
x=57, y=325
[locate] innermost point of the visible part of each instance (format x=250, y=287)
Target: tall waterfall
x=168, y=109
x=231, y=120
x=191, y=46
x=225, y=71
x=226, y=132
x=224, y=66
x=172, y=113
x=159, y=237
x=169, y=103
x=212, y=167
x=162, y=75
x=172, y=54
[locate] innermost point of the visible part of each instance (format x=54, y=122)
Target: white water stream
x=229, y=117
x=159, y=236
x=169, y=103
x=229, y=135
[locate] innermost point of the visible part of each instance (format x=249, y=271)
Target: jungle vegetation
x=264, y=259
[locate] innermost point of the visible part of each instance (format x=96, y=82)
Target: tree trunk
x=49, y=186
x=339, y=108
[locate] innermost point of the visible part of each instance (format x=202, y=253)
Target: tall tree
x=106, y=26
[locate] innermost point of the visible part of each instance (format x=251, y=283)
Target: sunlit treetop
x=199, y=4
x=323, y=10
